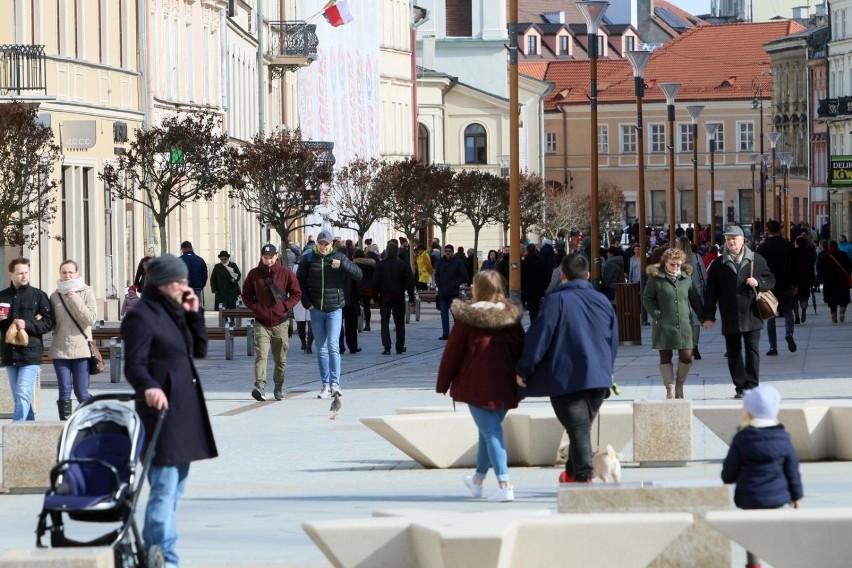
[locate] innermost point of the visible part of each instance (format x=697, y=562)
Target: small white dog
x=607, y=466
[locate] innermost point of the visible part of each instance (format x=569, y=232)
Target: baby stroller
x=98, y=479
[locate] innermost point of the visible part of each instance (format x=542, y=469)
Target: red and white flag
x=336, y=12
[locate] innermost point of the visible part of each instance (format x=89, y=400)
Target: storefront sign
x=78, y=134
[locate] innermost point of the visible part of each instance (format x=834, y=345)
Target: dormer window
x=564, y=45
x=629, y=43
x=601, y=46
x=532, y=45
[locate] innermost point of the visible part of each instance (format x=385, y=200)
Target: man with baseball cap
x=731, y=283
x=270, y=291
x=323, y=274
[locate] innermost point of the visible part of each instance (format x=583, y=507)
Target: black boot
x=65, y=409
x=310, y=338
x=300, y=326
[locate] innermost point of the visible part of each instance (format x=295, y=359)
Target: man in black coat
x=391, y=280
x=731, y=283
x=450, y=273
x=779, y=254
x=162, y=334
x=535, y=277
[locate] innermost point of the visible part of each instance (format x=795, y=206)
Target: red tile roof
x=536, y=69
x=715, y=62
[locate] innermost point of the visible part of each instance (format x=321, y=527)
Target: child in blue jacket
x=761, y=459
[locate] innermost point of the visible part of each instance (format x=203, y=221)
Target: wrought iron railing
x=22, y=69
x=292, y=39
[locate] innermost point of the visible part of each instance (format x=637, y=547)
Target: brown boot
x=682, y=372
x=842, y=314
x=667, y=371
x=833, y=316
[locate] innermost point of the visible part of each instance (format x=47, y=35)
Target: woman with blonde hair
x=699, y=278
x=478, y=368
x=667, y=297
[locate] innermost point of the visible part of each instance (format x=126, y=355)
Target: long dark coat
x=668, y=302
x=226, y=289
x=726, y=287
x=159, y=345
x=835, y=282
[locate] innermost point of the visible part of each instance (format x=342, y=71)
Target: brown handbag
x=767, y=303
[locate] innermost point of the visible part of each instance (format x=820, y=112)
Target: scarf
x=65, y=286
x=230, y=271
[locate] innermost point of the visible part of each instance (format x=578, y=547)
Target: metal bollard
x=417, y=308
x=114, y=360
x=250, y=338
x=229, y=342
x=407, y=312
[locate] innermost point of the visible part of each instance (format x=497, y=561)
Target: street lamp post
x=773, y=142
x=514, y=159
x=695, y=111
x=754, y=158
x=671, y=90
x=593, y=11
x=786, y=158
x=711, y=128
x=757, y=102
x=639, y=60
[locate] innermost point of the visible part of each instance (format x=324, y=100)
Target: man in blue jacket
x=450, y=273
x=569, y=355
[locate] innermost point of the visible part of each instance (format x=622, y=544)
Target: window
x=600, y=46
x=746, y=205
x=550, y=143
x=720, y=137
x=657, y=137
x=475, y=148
x=459, y=18
x=423, y=144
x=628, y=139
x=603, y=140
x=532, y=45
x=658, y=206
x=629, y=43
x=684, y=138
x=745, y=137
x=563, y=45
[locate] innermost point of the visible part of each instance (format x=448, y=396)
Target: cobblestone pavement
x=284, y=463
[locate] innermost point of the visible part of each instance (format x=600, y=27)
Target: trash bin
x=628, y=310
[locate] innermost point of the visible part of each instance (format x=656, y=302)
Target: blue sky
x=693, y=6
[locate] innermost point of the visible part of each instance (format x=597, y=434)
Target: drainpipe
x=142, y=15
x=261, y=101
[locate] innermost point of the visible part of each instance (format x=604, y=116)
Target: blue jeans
x=72, y=372
x=491, y=450
x=167, y=484
x=444, y=303
x=22, y=380
x=326, y=326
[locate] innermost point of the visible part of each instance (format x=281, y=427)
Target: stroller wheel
x=155, y=558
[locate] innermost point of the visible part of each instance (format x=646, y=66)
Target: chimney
x=643, y=18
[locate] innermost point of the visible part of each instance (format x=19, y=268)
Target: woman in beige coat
x=69, y=349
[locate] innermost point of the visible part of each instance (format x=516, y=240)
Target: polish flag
x=336, y=12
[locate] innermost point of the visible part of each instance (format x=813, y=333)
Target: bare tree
x=445, y=212
x=610, y=206
x=564, y=210
x=483, y=196
x=27, y=196
x=278, y=179
x=531, y=189
x=184, y=159
x=356, y=196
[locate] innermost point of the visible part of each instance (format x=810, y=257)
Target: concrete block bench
x=434, y=440
x=87, y=557
x=7, y=403
x=790, y=538
x=29, y=452
x=810, y=425
x=662, y=432
x=699, y=546
x=504, y=538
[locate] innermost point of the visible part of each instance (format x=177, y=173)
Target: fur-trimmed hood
x=486, y=315
x=365, y=261
x=655, y=270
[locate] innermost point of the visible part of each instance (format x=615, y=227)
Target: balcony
x=291, y=45
x=22, y=70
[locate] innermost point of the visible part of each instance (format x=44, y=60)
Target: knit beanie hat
x=762, y=402
x=165, y=269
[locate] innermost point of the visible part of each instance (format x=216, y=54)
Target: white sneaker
x=335, y=389
x=475, y=490
x=503, y=495
x=325, y=392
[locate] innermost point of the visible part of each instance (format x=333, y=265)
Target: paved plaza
x=284, y=463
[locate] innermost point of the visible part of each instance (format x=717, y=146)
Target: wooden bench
x=228, y=333
x=109, y=353
x=236, y=314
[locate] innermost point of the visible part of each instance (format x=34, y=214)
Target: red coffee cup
x=4, y=310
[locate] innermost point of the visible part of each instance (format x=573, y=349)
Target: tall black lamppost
x=593, y=11
x=711, y=128
x=757, y=103
x=754, y=204
x=671, y=90
x=695, y=111
x=785, y=158
x=773, y=142
x=639, y=60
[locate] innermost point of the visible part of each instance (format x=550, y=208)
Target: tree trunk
x=162, y=225
x=476, y=249
x=443, y=236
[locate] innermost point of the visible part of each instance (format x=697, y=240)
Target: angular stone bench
x=811, y=426
x=504, y=538
x=790, y=538
x=437, y=437
x=58, y=558
x=29, y=452
x=699, y=546
x=662, y=432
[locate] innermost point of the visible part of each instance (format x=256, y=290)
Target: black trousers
x=365, y=304
x=745, y=375
x=349, y=329
x=576, y=412
x=397, y=308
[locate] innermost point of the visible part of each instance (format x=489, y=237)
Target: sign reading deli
x=78, y=134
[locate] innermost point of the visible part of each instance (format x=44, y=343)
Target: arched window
x=423, y=144
x=475, y=145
